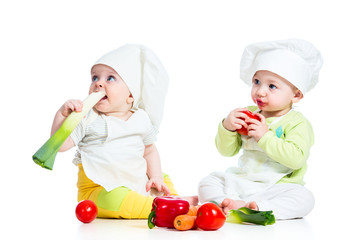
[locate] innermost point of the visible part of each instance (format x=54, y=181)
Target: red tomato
x=210, y=217
x=244, y=131
x=86, y=211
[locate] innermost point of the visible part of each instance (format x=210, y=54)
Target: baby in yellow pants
x=118, y=161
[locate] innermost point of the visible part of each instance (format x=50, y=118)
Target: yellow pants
x=121, y=202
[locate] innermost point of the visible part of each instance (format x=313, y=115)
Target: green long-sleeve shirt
x=287, y=142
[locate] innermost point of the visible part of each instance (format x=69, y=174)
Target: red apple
x=244, y=131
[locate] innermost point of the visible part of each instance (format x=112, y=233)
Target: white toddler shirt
x=112, y=150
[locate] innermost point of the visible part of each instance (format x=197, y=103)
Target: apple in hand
x=244, y=131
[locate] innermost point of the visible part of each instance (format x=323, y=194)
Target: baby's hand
x=70, y=106
x=235, y=120
x=257, y=129
x=158, y=184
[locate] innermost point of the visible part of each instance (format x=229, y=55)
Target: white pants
x=286, y=200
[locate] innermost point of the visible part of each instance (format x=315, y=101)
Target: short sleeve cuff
x=151, y=137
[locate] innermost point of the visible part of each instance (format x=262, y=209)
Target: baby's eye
x=272, y=86
x=256, y=81
x=94, y=79
x=111, y=79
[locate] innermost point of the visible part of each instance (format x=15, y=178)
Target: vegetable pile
x=45, y=156
x=174, y=212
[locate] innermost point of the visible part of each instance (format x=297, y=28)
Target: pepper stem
x=151, y=224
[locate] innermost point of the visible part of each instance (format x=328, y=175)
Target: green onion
x=246, y=215
x=45, y=156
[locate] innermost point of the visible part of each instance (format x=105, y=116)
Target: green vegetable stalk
x=45, y=156
x=246, y=215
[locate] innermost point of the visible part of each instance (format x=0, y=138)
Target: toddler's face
x=118, y=97
x=273, y=94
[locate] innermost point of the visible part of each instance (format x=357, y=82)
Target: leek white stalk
x=45, y=156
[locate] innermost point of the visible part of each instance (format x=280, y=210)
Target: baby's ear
x=130, y=99
x=298, y=96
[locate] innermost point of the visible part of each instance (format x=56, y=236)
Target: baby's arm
x=60, y=116
x=227, y=140
x=294, y=149
x=154, y=171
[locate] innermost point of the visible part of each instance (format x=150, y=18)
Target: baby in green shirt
x=272, y=164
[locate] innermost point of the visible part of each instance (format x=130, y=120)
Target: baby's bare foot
x=229, y=204
x=252, y=205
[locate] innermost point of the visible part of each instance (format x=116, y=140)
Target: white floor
x=63, y=224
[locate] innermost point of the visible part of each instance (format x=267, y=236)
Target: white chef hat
x=144, y=75
x=296, y=60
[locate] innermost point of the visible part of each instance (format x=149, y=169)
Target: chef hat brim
x=296, y=60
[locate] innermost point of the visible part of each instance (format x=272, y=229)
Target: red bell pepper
x=165, y=210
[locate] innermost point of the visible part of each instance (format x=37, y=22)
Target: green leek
x=246, y=215
x=45, y=156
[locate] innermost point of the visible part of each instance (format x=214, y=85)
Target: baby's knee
x=211, y=180
x=306, y=199
x=302, y=199
x=207, y=182
x=209, y=188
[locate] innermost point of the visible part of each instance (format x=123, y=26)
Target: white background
x=47, y=49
